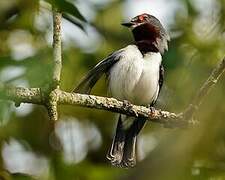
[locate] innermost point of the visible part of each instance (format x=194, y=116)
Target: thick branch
x=114, y=105
x=35, y=96
x=21, y=94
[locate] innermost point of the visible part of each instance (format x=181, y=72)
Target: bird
x=134, y=75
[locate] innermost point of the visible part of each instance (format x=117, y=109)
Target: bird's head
x=149, y=33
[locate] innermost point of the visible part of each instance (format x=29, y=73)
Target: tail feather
x=129, y=151
x=115, y=153
x=123, y=149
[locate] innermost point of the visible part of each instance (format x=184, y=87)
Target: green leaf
x=74, y=21
x=68, y=7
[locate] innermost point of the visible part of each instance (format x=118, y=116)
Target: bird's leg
x=126, y=104
x=152, y=109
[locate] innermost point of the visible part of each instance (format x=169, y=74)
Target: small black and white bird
x=134, y=74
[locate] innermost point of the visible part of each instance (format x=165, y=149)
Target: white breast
x=134, y=77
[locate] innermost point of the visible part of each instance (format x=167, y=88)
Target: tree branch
x=57, y=65
x=169, y=119
x=21, y=95
x=204, y=90
x=35, y=96
x=114, y=105
x=57, y=49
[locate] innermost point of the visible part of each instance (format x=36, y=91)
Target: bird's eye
x=142, y=17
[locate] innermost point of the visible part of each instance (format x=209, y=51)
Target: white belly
x=134, y=77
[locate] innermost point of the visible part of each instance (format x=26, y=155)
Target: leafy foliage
x=67, y=7
x=85, y=134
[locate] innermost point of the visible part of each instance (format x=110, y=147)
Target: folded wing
x=94, y=74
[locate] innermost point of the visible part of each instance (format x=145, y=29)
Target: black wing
x=161, y=77
x=94, y=74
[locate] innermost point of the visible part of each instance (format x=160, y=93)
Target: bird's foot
x=126, y=104
x=129, y=107
x=152, y=109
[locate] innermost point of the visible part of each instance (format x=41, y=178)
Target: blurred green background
x=197, y=30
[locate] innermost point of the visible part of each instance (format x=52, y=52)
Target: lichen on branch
x=53, y=96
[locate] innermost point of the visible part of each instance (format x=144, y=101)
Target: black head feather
x=149, y=34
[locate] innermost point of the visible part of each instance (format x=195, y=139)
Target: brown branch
x=209, y=84
x=204, y=90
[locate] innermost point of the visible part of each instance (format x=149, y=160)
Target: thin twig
x=209, y=84
x=57, y=48
x=204, y=90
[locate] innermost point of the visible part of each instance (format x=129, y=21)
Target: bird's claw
x=126, y=104
x=152, y=109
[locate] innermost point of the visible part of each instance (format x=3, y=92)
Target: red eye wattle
x=141, y=18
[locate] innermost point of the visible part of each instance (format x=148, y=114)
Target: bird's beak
x=128, y=24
